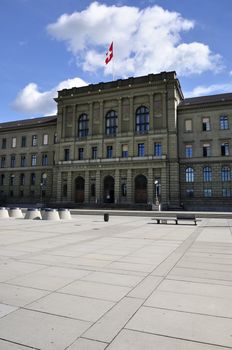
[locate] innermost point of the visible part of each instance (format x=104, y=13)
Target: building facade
x=127, y=143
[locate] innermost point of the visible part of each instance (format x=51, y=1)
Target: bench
x=179, y=217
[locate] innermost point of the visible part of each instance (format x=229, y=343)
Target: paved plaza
x=126, y=284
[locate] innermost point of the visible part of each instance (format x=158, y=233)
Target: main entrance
x=108, y=195
x=140, y=189
x=79, y=189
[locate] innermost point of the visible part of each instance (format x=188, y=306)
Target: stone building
x=127, y=143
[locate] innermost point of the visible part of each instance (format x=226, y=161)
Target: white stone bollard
x=50, y=214
x=15, y=213
x=64, y=214
x=33, y=214
x=4, y=213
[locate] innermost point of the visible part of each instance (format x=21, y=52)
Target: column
x=57, y=184
x=151, y=112
x=102, y=119
x=87, y=184
x=69, y=186
x=119, y=115
x=117, y=186
x=150, y=186
x=129, y=186
x=98, y=187
x=132, y=119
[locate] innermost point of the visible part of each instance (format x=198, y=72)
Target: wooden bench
x=179, y=217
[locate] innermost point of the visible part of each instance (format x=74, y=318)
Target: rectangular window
x=208, y=192
x=23, y=161
x=206, y=124
x=4, y=143
x=125, y=151
x=189, y=193
x=188, y=125
x=33, y=159
x=3, y=162
x=225, y=151
x=226, y=192
x=12, y=161
x=32, y=179
x=55, y=138
x=2, y=179
x=188, y=151
x=141, y=150
x=81, y=153
x=157, y=149
x=24, y=141
x=109, y=152
x=44, y=159
x=224, y=122
x=13, y=142
x=66, y=154
x=94, y=152
x=22, y=180
x=206, y=150
x=34, y=140
x=45, y=139
x=12, y=180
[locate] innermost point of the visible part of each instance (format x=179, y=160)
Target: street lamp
x=43, y=185
x=157, y=185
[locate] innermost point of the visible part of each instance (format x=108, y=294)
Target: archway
x=140, y=189
x=79, y=189
x=108, y=195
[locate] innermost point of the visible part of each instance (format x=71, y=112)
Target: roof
x=29, y=122
x=206, y=99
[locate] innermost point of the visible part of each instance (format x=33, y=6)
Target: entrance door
x=79, y=189
x=108, y=189
x=140, y=189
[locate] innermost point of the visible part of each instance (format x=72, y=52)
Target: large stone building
x=126, y=143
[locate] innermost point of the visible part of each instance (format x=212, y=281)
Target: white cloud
x=145, y=41
x=202, y=90
x=32, y=101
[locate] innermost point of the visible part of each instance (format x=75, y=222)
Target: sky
x=48, y=45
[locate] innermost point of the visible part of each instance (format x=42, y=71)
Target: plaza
x=125, y=284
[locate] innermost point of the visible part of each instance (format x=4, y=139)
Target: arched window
x=22, y=179
x=124, y=190
x=225, y=173
x=93, y=190
x=142, y=119
x=111, y=123
x=189, y=175
x=207, y=174
x=83, y=125
x=12, y=180
x=32, y=178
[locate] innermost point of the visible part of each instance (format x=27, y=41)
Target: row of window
x=208, y=174
x=24, y=141
x=208, y=192
x=23, y=160
x=206, y=124
x=22, y=177
x=206, y=150
x=109, y=151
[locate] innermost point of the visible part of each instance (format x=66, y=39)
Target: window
x=23, y=161
x=4, y=143
x=2, y=180
x=189, y=175
x=44, y=159
x=207, y=192
x=33, y=159
x=109, y=152
x=225, y=151
x=23, y=141
x=66, y=154
x=206, y=124
x=93, y=190
x=3, y=162
x=12, y=180
x=65, y=190
x=13, y=142
x=55, y=138
x=34, y=140
x=189, y=193
x=225, y=173
x=94, y=152
x=125, y=151
x=45, y=139
x=207, y=174
x=111, y=123
x=224, y=123
x=83, y=128
x=124, y=190
x=33, y=179
x=141, y=150
x=188, y=151
x=81, y=153
x=21, y=193
x=206, y=149
x=22, y=179
x=12, y=161
x=188, y=125
x=142, y=120
x=157, y=149
x=226, y=192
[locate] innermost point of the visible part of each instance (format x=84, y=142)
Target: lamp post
x=43, y=185
x=157, y=202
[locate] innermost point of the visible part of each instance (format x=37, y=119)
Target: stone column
x=87, y=185
x=119, y=115
x=132, y=118
x=151, y=112
x=91, y=118
x=129, y=186
x=102, y=118
x=69, y=187
x=117, y=186
x=150, y=186
x=98, y=187
x=57, y=184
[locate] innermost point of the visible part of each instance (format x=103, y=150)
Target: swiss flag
x=109, y=54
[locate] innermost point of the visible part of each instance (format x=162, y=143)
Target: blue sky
x=43, y=50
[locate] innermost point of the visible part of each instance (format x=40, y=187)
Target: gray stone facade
x=127, y=143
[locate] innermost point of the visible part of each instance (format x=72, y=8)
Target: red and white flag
x=109, y=54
